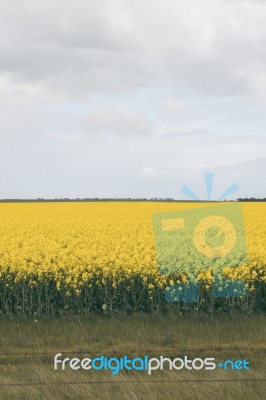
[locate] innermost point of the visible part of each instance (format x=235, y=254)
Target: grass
x=27, y=349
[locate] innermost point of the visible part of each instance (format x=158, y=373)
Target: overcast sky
x=122, y=98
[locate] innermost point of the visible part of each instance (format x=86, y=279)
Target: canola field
x=100, y=256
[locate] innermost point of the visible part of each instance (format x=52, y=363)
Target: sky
x=121, y=98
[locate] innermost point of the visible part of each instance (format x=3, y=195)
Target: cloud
x=122, y=98
x=210, y=46
x=115, y=118
x=173, y=105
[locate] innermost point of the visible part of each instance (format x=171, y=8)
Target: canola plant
x=86, y=256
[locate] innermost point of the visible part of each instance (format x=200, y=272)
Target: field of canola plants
x=58, y=258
